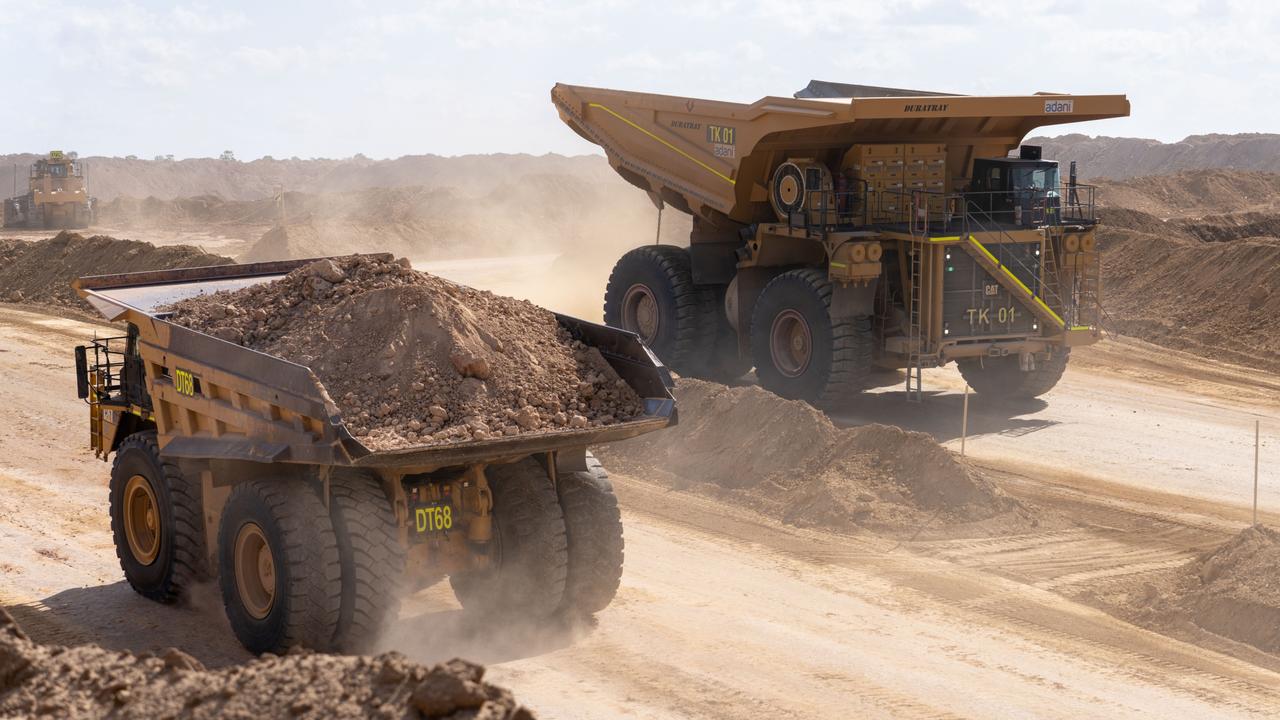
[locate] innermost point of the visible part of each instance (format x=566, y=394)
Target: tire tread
x=188, y=550
x=372, y=559
x=593, y=524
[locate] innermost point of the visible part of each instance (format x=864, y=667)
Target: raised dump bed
x=236, y=463
x=832, y=235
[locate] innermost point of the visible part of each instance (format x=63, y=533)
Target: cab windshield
x=1040, y=179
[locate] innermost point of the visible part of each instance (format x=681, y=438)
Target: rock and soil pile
x=1234, y=589
x=41, y=272
x=1192, y=193
x=787, y=460
x=1119, y=157
x=1180, y=273
x=1231, y=590
x=92, y=682
x=413, y=359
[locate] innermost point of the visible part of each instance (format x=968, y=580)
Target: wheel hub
x=255, y=571
x=790, y=343
x=640, y=312
x=788, y=189
x=141, y=520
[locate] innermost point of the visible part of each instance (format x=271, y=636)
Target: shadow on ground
x=939, y=414
x=117, y=618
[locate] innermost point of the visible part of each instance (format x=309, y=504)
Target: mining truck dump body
x=214, y=399
x=710, y=157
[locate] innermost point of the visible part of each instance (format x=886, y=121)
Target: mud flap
x=849, y=300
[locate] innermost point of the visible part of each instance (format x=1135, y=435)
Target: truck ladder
x=1051, y=271
x=1087, y=291
x=915, y=335
x=95, y=417
x=915, y=331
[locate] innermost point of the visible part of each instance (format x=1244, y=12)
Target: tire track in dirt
x=1028, y=615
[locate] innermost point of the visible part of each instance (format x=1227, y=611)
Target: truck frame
x=237, y=464
x=854, y=227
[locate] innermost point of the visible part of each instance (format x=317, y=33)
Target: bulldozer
x=850, y=228
x=57, y=196
x=236, y=465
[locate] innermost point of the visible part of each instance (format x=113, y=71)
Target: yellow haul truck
x=57, y=196
x=235, y=463
x=851, y=227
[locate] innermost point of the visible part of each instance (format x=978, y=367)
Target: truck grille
x=975, y=305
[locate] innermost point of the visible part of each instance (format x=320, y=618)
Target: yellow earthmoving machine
x=851, y=227
x=57, y=197
x=233, y=463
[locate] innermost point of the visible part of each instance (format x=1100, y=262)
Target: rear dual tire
x=593, y=524
x=651, y=293
x=529, y=554
x=295, y=573
x=558, y=550
x=279, y=567
x=801, y=352
x=1002, y=378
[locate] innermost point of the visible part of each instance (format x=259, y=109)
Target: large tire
x=372, y=559
x=1002, y=378
x=651, y=293
x=156, y=521
x=725, y=364
x=800, y=351
x=529, y=561
x=593, y=524
x=292, y=595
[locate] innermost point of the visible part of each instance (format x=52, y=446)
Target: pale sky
x=330, y=78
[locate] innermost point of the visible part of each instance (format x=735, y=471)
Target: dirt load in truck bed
x=413, y=359
x=93, y=682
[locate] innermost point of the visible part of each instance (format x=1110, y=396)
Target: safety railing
x=861, y=205
x=100, y=368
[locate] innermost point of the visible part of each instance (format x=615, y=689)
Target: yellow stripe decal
x=949, y=238
x=686, y=155
x=1014, y=278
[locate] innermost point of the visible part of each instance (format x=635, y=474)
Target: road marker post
x=964, y=420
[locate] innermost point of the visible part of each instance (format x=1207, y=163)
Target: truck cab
x=1018, y=192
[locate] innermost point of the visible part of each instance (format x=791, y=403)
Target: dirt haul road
x=722, y=613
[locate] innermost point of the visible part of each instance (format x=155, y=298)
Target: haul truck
x=850, y=228
x=57, y=196
x=237, y=464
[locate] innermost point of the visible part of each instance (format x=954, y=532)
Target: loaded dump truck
x=854, y=227
x=238, y=464
x=57, y=196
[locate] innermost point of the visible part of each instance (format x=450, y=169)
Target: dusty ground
x=728, y=613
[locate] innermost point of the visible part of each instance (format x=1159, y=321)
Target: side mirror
x=82, y=373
